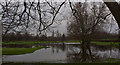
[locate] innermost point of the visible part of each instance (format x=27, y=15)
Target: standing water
x=67, y=53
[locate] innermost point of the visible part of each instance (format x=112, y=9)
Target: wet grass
x=17, y=51
x=108, y=63
x=111, y=59
x=106, y=43
x=99, y=43
x=38, y=42
x=27, y=42
x=71, y=41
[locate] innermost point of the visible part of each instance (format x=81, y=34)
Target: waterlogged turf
x=17, y=51
x=71, y=41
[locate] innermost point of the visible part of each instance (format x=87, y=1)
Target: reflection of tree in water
x=92, y=53
x=81, y=54
x=106, y=51
x=57, y=48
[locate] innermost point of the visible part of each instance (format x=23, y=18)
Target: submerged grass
x=17, y=51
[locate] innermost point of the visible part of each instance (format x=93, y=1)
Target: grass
x=108, y=39
x=111, y=59
x=108, y=63
x=76, y=41
x=40, y=42
x=100, y=43
x=17, y=51
x=26, y=42
x=106, y=43
x=71, y=41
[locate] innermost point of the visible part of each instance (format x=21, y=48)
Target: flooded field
x=67, y=53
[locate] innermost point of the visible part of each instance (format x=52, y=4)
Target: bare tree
x=28, y=16
x=86, y=19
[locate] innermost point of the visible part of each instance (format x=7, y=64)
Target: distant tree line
x=23, y=37
x=29, y=37
x=96, y=35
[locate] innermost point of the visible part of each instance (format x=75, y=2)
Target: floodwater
x=67, y=53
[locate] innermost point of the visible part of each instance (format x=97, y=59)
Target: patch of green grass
x=111, y=59
x=17, y=51
x=98, y=43
x=108, y=39
x=70, y=41
x=27, y=42
x=39, y=42
x=106, y=43
x=76, y=41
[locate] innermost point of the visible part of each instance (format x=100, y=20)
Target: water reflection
x=90, y=53
x=80, y=54
x=67, y=53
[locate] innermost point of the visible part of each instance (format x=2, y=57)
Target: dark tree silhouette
x=114, y=7
x=86, y=19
